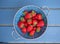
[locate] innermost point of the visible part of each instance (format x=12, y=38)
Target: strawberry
x=20, y=24
x=35, y=17
x=34, y=28
x=41, y=23
x=29, y=21
x=24, y=30
x=28, y=16
x=25, y=24
x=25, y=12
x=38, y=29
x=31, y=33
x=29, y=28
x=39, y=16
x=34, y=22
x=22, y=19
x=33, y=13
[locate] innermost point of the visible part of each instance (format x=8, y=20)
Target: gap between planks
x=11, y=25
x=17, y=8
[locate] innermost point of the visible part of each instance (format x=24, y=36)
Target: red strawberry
x=41, y=23
x=38, y=29
x=35, y=22
x=25, y=12
x=22, y=19
x=34, y=28
x=20, y=24
x=35, y=17
x=33, y=13
x=29, y=28
x=39, y=16
x=24, y=30
x=29, y=21
x=32, y=33
x=26, y=24
x=28, y=16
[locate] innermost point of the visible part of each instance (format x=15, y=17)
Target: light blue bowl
x=20, y=13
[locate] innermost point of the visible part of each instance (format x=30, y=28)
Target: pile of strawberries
x=31, y=22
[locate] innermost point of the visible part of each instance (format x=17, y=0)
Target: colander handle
x=14, y=36
x=46, y=8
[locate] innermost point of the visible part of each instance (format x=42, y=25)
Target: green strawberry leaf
x=37, y=30
x=21, y=18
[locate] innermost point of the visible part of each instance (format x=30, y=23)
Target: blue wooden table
x=8, y=9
